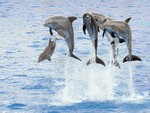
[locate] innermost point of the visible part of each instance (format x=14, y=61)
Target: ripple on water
x=36, y=42
x=113, y=7
x=44, y=38
x=32, y=32
x=34, y=69
x=34, y=46
x=35, y=6
x=38, y=86
x=16, y=106
x=130, y=6
x=53, y=112
x=20, y=75
x=1, y=66
x=2, y=93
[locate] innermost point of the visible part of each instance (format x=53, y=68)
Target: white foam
x=95, y=83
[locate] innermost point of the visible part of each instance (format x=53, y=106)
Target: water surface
x=66, y=85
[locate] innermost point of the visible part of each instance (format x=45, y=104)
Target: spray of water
x=131, y=87
x=93, y=83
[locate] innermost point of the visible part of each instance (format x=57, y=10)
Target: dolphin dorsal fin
x=127, y=20
x=72, y=18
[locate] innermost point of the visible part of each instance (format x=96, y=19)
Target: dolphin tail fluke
x=133, y=58
x=116, y=63
x=97, y=60
x=72, y=55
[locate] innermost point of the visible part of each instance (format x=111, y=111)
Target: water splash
x=94, y=83
x=131, y=87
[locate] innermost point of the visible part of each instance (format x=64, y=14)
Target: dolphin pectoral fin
x=50, y=30
x=112, y=34
x=60, y=33
x=104, y=32
x=72, y=18
x=113, y=42
x=84, y=28
x=98, y=60
x=121, y=40
x=127, y=20
x=133, y=58
x=72, y=55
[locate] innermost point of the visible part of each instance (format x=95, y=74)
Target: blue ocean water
x=66, y=85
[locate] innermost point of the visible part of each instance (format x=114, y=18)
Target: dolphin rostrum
x=63, y=26
x=122, y=29
x=48, y=51
x=89, y=23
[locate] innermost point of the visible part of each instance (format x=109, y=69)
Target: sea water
x=66, y=85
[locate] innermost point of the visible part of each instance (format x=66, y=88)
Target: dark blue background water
x=66, y=85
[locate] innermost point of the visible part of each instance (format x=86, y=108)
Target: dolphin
x=48, y=51
x=63, y=26
x=100, y=20
x=89, y=23
x=122, y=29
x=114, y=42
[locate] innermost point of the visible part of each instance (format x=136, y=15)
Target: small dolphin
x=89, y=23
x=121, y=28
x=63, y=26
x=48, y=51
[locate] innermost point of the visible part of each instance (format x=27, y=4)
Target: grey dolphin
x=63, y=26
x=122, y=29
x=89, y=23
x=112, y=39
x=100, y=20
x=48, y=51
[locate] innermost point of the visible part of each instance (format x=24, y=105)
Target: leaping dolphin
x=48, y=51
x=122, y=29
x=63, y=26
x=89, y=23
x=100, y=20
